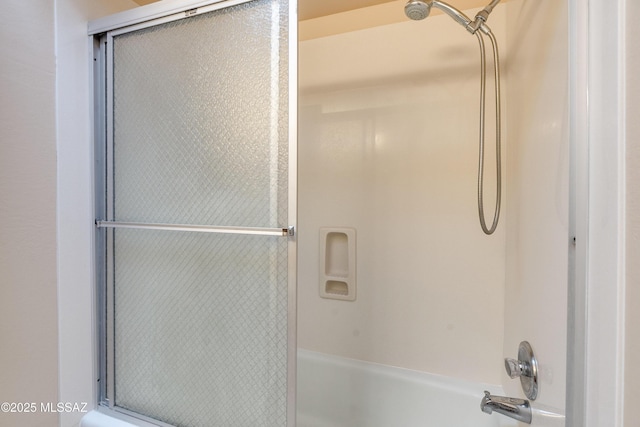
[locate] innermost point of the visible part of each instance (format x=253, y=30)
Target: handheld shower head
x=418, y=9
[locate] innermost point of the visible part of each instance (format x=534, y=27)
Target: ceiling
x=309, y=9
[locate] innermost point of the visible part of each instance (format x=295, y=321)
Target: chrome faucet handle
x=516, y=368
x=526, y=367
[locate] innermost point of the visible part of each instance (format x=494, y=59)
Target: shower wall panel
x=538, y=191
x=388, y=145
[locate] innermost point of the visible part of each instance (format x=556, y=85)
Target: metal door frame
x=101, y=31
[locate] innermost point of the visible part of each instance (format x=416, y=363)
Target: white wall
x=28, y=309
x=632, y=342
x=388, y=145
x=538, y=192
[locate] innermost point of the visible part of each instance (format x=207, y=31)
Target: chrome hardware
x=482, y=16
x=515, y=368
x=199, y=228
x=518, y=409
x=526, y=367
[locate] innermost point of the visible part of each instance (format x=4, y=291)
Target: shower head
x=418, y=9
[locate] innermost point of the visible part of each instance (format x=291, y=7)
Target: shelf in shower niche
x=338, y=263
x=336, y=287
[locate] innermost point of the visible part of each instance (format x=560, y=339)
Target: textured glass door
x=196, y=242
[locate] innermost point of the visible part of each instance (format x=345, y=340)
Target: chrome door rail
x=257, y=231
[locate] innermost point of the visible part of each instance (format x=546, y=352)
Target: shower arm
x=471, y=25
x=482, y=17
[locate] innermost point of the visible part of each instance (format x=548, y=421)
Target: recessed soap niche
x=338, y=263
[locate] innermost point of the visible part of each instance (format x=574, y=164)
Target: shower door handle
x=261, y=231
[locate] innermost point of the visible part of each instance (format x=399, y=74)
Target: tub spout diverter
x=518, y=409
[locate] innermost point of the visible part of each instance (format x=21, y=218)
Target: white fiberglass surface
x=389, y=147
x=340, y=392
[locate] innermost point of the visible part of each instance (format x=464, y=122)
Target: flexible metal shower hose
x=483, y=67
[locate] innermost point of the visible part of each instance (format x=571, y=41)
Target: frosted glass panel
x=200, y=119
x=200, y=136
x=200, y=326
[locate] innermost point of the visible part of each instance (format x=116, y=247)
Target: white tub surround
x=339, y=392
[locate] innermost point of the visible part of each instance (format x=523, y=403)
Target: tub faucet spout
x=518, y=409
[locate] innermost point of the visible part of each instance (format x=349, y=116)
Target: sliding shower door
x=196, y=213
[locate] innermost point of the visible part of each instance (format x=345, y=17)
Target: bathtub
x=339, y=392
